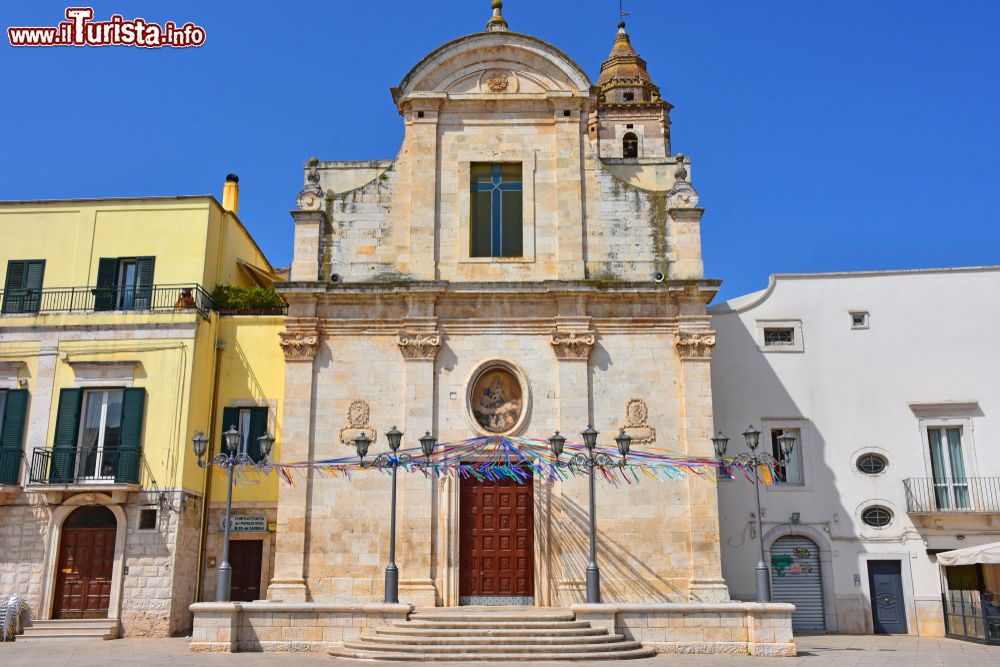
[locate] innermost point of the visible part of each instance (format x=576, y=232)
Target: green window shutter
x=258, y=427
x=107, y=275
x=230, y=417
x=23, y=287
x=144, y=282
x=67, y=430
x=130, y=444
x=12, y=434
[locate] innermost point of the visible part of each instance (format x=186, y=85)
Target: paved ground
x=815, y=651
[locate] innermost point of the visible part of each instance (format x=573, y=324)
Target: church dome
x=624, y=77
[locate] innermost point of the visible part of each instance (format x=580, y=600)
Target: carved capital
x=695, y=344
x=299, y=345
x=422, y=346
x=573, y=345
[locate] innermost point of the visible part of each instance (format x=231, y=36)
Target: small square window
x=147, y=519
x=420, y=114
x=779, y=336
x=859, y=319
x=629, y=126
x=567, y=113
x=629, y=97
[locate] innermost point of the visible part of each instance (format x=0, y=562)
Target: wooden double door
x=496, y=527
x=86, y=561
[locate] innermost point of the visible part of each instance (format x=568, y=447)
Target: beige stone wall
x=214, y=542
x=24, y=523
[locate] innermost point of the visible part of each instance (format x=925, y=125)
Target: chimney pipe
x=231, y=194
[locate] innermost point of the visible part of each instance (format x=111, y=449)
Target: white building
x=890, y=381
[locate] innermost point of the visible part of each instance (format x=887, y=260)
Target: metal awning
x=984, y=554
x=261, y=277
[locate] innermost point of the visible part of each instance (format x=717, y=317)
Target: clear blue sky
x=827, y=135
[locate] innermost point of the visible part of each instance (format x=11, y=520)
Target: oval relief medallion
x=497, y=399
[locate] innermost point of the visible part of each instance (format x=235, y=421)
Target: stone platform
x=723, y=627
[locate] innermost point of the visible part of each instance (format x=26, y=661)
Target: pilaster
x=308, y=248
x=694, y=352
x=300, y=345
x=569, y=190
x=686, y=262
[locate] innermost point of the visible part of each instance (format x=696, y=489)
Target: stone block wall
x=24, y=524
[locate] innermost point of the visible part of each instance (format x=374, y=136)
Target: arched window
x=630, y=145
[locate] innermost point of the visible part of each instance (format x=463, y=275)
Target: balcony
x=971, y=495
x=158, y=298
x=108, y=469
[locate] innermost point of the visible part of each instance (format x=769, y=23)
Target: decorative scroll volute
x=299, y=345
x=695, y=344
x=422, y=346
x=573, y=345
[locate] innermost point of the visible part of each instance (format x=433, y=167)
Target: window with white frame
x=859, y=319
x=779, y=335
x=951, y=486
x=791, y=471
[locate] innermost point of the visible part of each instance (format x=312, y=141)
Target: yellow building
x=113, y=354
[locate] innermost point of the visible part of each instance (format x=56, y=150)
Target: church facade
x=530, y=262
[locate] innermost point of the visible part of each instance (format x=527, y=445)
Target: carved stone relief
x=358, y=414
x=496, y=81
x=419, y=346
x=695, y=344
x=573, y=345
x=299, y=345
x=636, y=415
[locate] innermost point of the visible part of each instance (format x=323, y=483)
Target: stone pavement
x=814, y=651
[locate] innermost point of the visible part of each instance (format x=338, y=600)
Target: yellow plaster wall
x=73, y=236
x=165, y=371
x=228, y=242
x=252, y=369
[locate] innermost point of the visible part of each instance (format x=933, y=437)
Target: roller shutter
x=796, y=578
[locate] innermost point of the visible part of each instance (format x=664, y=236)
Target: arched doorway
x=86, y=563
x=796, y=577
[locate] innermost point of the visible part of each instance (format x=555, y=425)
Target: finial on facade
x=497, y=22
x=681, y=172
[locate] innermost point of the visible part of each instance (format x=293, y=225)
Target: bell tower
x=632, y=120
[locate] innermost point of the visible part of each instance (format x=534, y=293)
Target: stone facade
x=389, y=309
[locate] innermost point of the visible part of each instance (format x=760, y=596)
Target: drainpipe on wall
x=220, y=347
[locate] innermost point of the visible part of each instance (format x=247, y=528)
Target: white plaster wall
x=932, y=339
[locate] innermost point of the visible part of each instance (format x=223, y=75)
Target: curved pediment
x=495, y=63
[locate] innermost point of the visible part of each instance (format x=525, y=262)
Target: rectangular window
x=124, y=283
x=147, y=518
x=791, y=472
x=951, y=487
x=779, y=336
x=859, y=319
x=22, y=292
x=100, y=435
x=496, y=210
x=251, y=422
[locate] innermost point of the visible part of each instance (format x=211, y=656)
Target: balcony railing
x=102, y=299
x=93, y=466
x=925, y=495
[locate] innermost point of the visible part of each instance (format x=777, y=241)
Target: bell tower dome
x=632, y=120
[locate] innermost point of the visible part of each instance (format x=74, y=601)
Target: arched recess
x=825, y=560
x=59, y=515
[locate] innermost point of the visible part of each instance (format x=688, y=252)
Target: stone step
x=71, y=628
x=496, y=614
x=41, y=639
x=479, y=655
x=459, y=623
x=410, y=631
x=513, y=649
x=533, y=640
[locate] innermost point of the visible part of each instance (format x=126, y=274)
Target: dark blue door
x=885, y=581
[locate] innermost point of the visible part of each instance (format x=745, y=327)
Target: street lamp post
x=589, y=462
x=391, y=460
x=753, y=460
x=229, y=460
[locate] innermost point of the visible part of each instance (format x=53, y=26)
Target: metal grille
x=876, y=516
x=796, y=578
x=872, y=464
x=778, y=337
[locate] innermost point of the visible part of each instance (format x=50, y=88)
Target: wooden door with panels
x=86, y=562
x=496, y=527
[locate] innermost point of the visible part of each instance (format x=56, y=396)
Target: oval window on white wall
x=876, y=516
x=872, y=464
